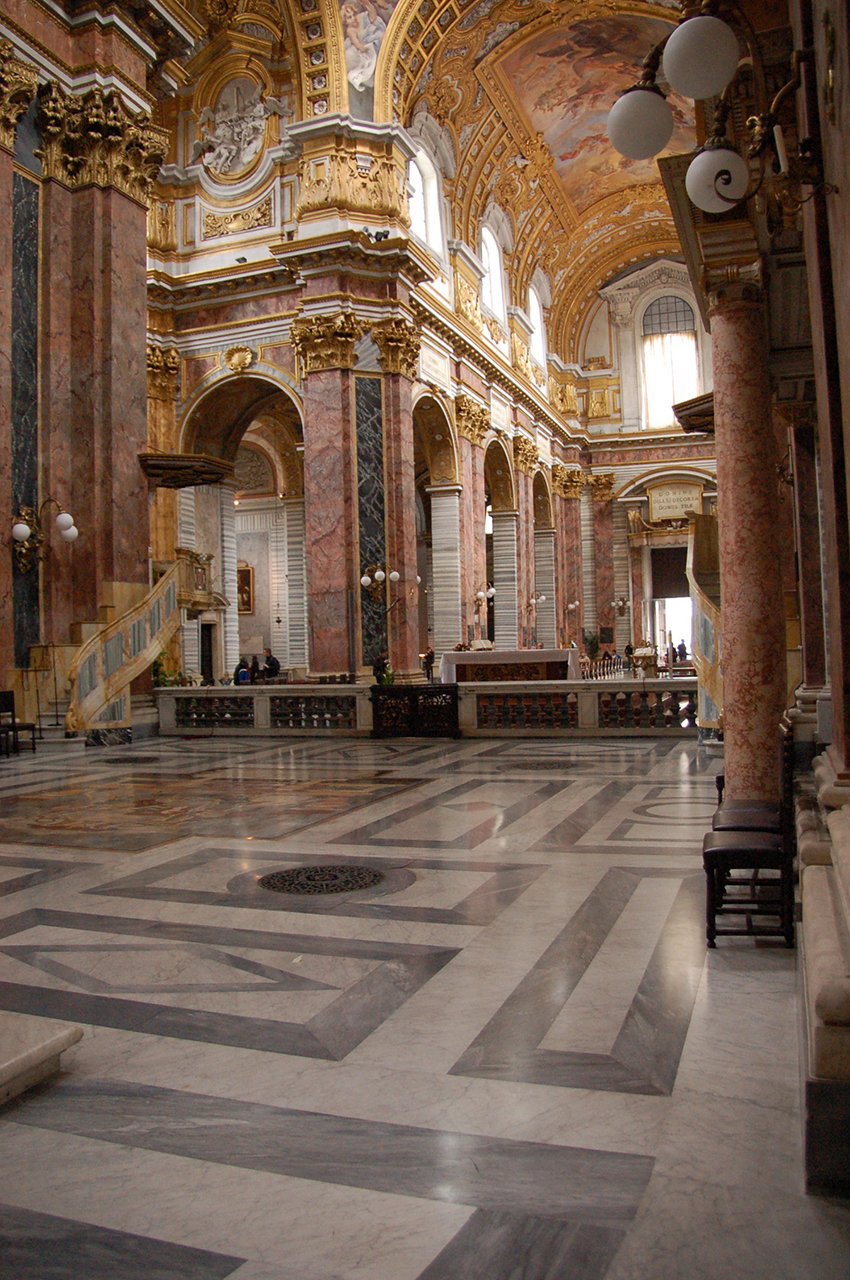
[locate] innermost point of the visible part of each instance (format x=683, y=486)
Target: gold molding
x=567, y=483
x=564, y=397
x=466, y=302
x=473, y=420
x=340, y=178
x=325, y=342
x=602, y=486
x=398, y=343
x=163, y=369
x=227, y=224
x=525, y=455
x=18, y=86
x=96, y=140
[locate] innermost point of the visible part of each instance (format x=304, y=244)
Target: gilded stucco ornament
x=342, y=180
x=18, y=85
x=602, y=486
x=473, y=420
x=96, y=140
x=564, y=397
x=466, y=302
x=163, y=368
x=521, y=357
x=525, y=455
x=238, y=359
x=325, y=342
x=566, y=482
x=227, y=224
x=599, y=405
x=398, y=343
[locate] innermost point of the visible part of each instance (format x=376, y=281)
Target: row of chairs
x=10, y=727
x=748, y=857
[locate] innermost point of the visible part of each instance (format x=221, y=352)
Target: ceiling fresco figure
x=364, y=25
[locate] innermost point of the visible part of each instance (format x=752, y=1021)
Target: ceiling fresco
x=565, y=80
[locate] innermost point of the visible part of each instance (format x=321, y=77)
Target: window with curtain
x=423, y=191
x=492, y=292
x=538, y=331
x=670, y=367
x=416, y=201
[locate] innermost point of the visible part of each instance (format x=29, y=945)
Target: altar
x=509, y=664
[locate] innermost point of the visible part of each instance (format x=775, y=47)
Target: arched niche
x=499, y=477
x=434, y=441
x=542, y=503
x=224, y=407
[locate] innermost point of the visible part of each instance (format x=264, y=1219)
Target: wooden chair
x=10, y=727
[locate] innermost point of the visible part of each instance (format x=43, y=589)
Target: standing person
x=682, y=651
x=271, y=666
x=379, y=667
x=629, y=653
x=429, y=665
x=255, y=669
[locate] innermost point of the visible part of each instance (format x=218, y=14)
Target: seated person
x=271, y=666
x=242, y=674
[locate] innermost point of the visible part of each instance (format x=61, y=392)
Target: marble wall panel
x=810, y=580
x=400, y=499
x=371, y=512
x=24, y=397
x=604, y=531
x=6, y=616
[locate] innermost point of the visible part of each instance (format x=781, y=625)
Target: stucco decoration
x=233, y=132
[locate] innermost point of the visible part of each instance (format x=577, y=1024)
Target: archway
x=545, y=630
x=438, y=527
x=502, y=544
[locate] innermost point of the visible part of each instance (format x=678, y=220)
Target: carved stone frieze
x=602, y=486
x=525, y=455
x=341, y=180
x=18, y=85
x=227, y=224
x=96, y=140
x=163, y=368
x=398, y=343
x=326, y=342
x=473, y=420
x=564, y=397
x=566, y=482
x=466, y=302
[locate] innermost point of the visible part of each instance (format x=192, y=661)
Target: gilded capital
x=398, y=343
x=602, y=487
x=18, y=85
x=325, y=342
x=163, y=368
x=525, y=455
x=96, y=140
x=567, y=483
x=473, y=420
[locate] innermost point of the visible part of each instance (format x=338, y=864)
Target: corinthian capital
x=602, y=486
x=567, y=483
x=525, y=454
x=325, y=342
x=163, y=368
x=18, y=84
x=473, y=420
x=398, y=343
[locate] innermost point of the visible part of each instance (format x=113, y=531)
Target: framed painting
x=245, y=589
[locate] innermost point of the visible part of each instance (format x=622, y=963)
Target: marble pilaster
x=400, y=500
x=570, y=561
x=525, y=557
x=750, y=570
x=603, y=528
x=506, y=601
x=7, y=644
x=445, y=562
x=330, y=507
x=228, y=576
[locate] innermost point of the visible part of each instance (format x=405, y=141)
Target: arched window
x=492, y=290
x=538, y=330
x=670, y=367
x=423, y=190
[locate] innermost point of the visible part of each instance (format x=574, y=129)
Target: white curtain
x=670, y=374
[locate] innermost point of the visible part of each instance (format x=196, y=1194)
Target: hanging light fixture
x=640, y=123
x=701, y=57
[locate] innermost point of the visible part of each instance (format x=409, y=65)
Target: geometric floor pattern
x=511, y=1059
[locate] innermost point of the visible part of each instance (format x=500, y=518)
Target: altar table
x=509, y=664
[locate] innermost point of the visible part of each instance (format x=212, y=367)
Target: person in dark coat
x=379, y=667
x=242, y=667
x=271, y=666
x=255, y=670
x=682, y=651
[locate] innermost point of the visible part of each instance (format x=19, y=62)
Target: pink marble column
x=752, y=600
x=400, y=500
x=569, y=534
x=473, y=564
x=7, y=643
x=809, y=578
x=330, y=510
x=525, y=557
x=603, y=527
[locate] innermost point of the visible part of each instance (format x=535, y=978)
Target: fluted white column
x=190, y=630
x=544, y=584
x=445, y=568
x=228, y=575
x=505, y=622
x=590, y=614
x=296, y=570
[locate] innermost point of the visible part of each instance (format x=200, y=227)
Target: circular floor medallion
x=321, y=879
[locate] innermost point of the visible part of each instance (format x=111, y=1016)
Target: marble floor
x=512, y=1059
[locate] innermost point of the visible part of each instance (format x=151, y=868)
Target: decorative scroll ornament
x=473, y=420
x=238, y=359
x=18, y=85
x=218, y=12
x=343, y=180
x=521, y=358
x=96, y=140
x=325, y=342
x=466, y=302
x=398, y=343
x=226, y=224
x=564, y=397
x=567, y=483
x=602, y=487
x=525, y=455
x=163, y=368
x=600, y=404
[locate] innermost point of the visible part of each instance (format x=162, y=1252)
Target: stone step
x=30, y=1049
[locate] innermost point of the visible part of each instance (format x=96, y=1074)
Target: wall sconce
x=28, y=533
x=621, y=604
x=536, y=599
x=484, y=593
x=374, y=577
x=573, y=605
x=700, y=60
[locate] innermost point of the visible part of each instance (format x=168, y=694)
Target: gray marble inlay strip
x=526, y=1178
x=506, y=1246
x=568, y=832
x=39, y=1246
x=645, y=1057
